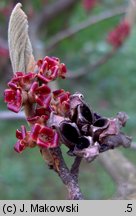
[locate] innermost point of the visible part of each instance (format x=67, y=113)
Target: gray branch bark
x=122, y=171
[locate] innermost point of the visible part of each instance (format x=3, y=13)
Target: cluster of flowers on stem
x=31, y=91
x=58, y=117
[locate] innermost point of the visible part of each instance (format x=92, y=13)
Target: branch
x=65, y=175
x=91, y=68
x=75, y=167
x=122, y=171
x=85, y=24
x=7, y=115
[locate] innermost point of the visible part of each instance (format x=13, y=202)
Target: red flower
x=44, y=136
x=62, y=103
x=24, y=140
x=22, y=80
x=50, y=68
x=14, y=99
x=40, y=94
x=38, y=119
x=43, y=111
x=41, y=116
x=17, y=94
x=119, y=34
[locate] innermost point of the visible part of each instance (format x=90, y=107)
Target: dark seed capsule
x=86, y=113
x=83, y=142
x=100, y=122
x=69, y=133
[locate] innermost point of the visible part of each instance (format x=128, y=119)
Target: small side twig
x=122, y=171
x=75, y=167
x=66, y=176
x=7, y=115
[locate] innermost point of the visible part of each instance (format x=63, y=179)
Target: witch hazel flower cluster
x=32, y=90
x=57, y=117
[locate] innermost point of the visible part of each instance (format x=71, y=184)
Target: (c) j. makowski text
x=37, y=208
